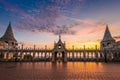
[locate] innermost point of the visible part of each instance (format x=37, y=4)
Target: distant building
x=59, y=49
x=108, y=42
x=8, y=40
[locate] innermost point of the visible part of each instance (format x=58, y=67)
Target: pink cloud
x=38, y=44
x=45, y=22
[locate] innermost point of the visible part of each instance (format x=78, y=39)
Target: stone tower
x=59, y=47
x=107, y=41
x=8, y=38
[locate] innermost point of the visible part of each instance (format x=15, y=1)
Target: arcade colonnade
x=48, y=55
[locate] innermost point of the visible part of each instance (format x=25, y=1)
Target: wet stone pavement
x=60, y=71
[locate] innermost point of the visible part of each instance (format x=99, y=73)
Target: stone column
x=45, y=52
x=69, y=55
x=21, y=54
x=117, y=56
x=80, y=55
x=34, y=53
x=73, y=53
x=88, y=56
x=65, y=57
x=16, y=55
x=84, y=54
x=53, y=57
x=41, y=55
x=105, y=54
x=49, y=55
x=7, y=55
x=76, y=55
x=91, y=55
x=96, y=55
x=3, y=56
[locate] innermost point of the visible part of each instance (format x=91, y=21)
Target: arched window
x=103, y=45
x=108, y=44
x=12, y=43
x=6, y=42
x=59, y=46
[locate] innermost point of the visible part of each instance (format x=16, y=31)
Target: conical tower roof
x=8, y=36
x=107, y=35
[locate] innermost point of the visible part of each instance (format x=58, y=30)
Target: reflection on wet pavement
x=60, y=71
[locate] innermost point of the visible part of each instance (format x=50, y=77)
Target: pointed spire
x=59, y=37
x=9, y=23
x=8, y=36
x=107, y=35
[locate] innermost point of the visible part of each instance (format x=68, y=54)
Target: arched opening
x=12, y=43
x=59, y=46
x=108, y=44
x=103, y=45
x=59, y=56
x=1, y=56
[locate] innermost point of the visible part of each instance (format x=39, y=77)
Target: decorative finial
x=106, y=25
x=9, y=22
x=59, y=36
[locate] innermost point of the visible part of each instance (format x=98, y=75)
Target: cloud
x=38, y=44
x=116, y=37
x=87, y=26
x=42, y=18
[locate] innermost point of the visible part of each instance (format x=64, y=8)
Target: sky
x=80, y=22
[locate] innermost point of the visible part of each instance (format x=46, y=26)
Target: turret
x=107, y=41
x=9, y=38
